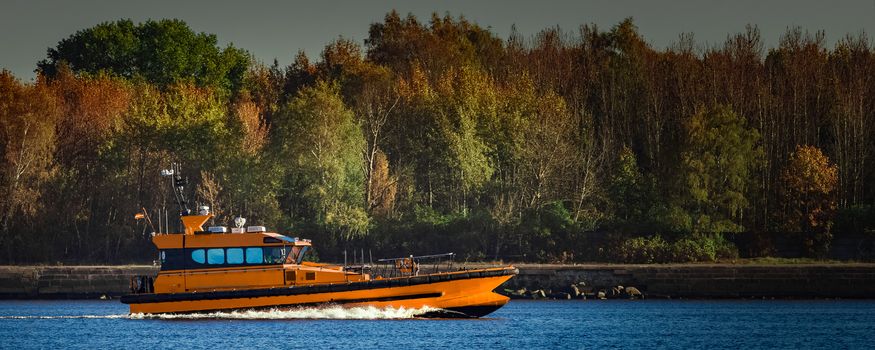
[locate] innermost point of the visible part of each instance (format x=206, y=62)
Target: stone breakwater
x=68, y=282
x=848, y=280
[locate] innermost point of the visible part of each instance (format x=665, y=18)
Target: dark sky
x=278, y=29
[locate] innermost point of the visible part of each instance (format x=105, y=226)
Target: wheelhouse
x=218, y=250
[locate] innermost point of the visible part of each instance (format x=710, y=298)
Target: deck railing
x=407, y=266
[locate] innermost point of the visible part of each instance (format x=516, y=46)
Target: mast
x=178, y=182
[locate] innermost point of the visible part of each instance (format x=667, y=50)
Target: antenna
x=178, y=183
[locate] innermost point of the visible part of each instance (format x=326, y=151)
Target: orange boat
x=213, y=270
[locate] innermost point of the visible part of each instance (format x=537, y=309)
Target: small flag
x=139, y=216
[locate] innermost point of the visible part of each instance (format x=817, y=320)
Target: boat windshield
x=303, y=252
x=297, y=255
x=275, y=255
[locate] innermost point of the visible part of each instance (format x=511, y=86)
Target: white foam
x=331, y=312
x=62, y=317
x=334, y=312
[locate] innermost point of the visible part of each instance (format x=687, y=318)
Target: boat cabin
x=213, y=259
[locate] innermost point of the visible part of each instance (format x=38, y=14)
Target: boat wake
x=62, y=317
x=333, y=312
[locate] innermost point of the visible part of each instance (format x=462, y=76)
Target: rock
x=634, y=293
x=512, y=294
x=560, y=295
x=615, y=292
x=537, y=294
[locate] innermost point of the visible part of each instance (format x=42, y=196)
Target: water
x=519, y=325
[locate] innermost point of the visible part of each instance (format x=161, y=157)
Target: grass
x=784, y=261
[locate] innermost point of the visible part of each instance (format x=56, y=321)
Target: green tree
x=440, y=132
x=626, y=190
x=717, y=167
x=162, y=52
x=319, y=142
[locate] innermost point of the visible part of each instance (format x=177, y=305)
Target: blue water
x=834, y=324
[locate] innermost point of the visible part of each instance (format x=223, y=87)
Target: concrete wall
x=710, y=281
x=68, y=281
x=688, y=281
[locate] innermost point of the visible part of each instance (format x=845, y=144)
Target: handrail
x=433, y=256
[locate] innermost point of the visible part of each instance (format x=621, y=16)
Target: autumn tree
x=92, y=111
x=808, y=193
x=403, y=43
x=382, y=187
x=28, y=113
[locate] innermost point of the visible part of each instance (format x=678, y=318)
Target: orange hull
x=465, y=294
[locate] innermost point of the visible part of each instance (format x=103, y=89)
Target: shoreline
x=688, y=281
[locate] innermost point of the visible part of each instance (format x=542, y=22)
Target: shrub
x=693, y=248
x=644, y=250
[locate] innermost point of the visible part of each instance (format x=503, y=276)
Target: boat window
x=172, y=259
x=216, y=256
x=254, y=256
x=274, y=255
x=198, y=256
x=302, y=253
x=235, y=255
x=293, y=256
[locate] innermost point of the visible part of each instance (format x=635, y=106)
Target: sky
x=278, y=29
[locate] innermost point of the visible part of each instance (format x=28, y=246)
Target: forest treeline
x=440, y=136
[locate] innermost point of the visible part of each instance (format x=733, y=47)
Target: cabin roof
x=208, y=240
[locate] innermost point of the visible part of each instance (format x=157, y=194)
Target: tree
x=318, y=139
x=627, y=189
x=382, y=187
x=852, y=117
x=439, y=133
x=162, y=52
x=546, y=152
x=809, y=183
x=27, y=141
x=92, y=112
x=253, y=128
x=718, y=165
x=403, y=44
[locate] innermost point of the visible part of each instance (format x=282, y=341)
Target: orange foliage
x=383, y=187
x=92, y=109
x=27, y=140
x=255, y=131
x=809, y=194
